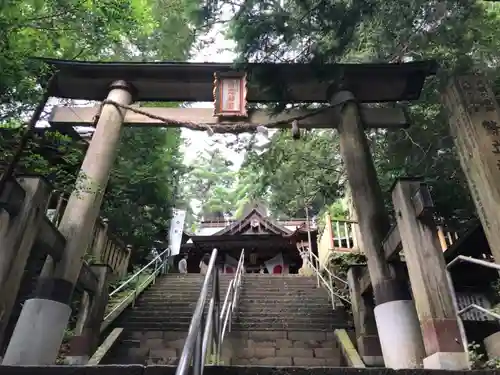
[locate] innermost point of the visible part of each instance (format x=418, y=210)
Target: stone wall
x=266, y=348
x=281, y=348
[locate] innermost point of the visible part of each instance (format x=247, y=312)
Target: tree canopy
x=149, y=178
x=460, y=34
x=144, y=181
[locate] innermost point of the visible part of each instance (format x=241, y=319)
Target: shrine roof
x=254, y=214
x=183, y=81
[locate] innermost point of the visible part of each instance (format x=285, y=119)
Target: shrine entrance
x=345, y=94
x=270, y=245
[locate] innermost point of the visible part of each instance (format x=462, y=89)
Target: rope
x=221, y=127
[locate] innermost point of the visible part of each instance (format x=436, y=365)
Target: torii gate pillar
x=395, y=315
x=40, y=329
x=475, y=127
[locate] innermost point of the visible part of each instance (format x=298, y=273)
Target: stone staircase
x=281, y=321
x=155, y=329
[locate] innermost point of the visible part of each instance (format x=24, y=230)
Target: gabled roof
x=255, y=214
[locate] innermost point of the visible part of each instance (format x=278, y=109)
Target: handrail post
x=216, y=313
x=331, y=295
x=198, y=354
x=136, y=288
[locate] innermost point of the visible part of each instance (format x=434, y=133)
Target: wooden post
x=84, y=345
x=329, y=231
x=356, y=234
x=83, y=311
x=16, y=242
x=391, y=297
x=41, y=325
x=427, y=270
x=102, y=239
x=442, y=239
x=475, y=127
x=364, y=320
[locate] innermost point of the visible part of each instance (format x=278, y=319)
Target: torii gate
x=347, y=88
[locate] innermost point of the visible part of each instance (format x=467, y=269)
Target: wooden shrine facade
x=270, y=245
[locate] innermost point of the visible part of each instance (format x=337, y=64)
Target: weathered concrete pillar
x=40, y=328
x=443, y=342
x=84, y=345
x=492, y=345
x=16, y=242
x=391, y=297
x=475, y=127
x=367, y=340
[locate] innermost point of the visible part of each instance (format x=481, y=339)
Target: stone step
x=239, y=314
x=247, y=318
x=264, y=299
x=263, y=368
x=322, y=305
x=250, y=293
x=245, y=290
x=183, y=326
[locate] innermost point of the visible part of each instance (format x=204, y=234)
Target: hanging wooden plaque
x=230, y=94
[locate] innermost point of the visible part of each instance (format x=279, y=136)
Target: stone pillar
x=17, y=241
x=367, y=340
x=492, y=345
x=444, y=347
x=40, y=328
x=390, y=295
x=475, y=127
x=86, y=343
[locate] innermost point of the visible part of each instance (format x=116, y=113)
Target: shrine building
x=271, y=246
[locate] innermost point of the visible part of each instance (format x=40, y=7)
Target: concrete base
x=369, y=350
x=38, y=333
x=373, y=361
x=492, y=345
x=399, y=333
x=77, y=360
x=447, y=361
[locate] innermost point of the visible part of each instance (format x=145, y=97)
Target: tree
x=295, y=173
x=144, y=182
x=460, y=34
x=208, y=183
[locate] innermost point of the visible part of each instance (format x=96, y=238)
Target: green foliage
x=479, y=361
x=293, y=174
x=144, y=182
x=459, y=34
x=50, y=154
x=208, y=182
x=143, y=187
x=339, y=262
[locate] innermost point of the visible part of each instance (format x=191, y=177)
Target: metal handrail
x=232, y=298
x=462, y=258
x=480, y=308
x=159, y=267
x=328, y=285
x=484, y=263
x=198, y=343
x=459, y=259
